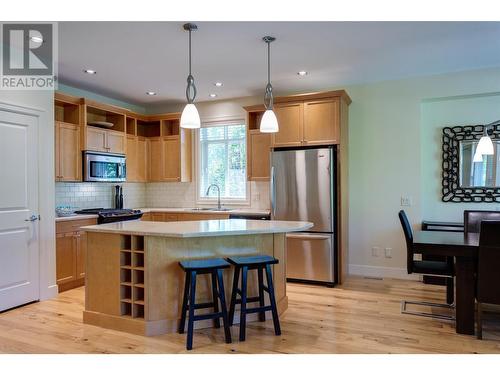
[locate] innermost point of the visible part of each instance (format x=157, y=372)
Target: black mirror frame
x=452, y=192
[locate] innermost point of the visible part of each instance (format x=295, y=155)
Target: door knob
x=33, y=218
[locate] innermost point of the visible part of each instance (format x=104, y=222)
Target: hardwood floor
x=361, y=316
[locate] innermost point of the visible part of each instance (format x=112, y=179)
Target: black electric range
x=111, y=215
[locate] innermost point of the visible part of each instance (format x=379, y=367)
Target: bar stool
x=192, y=268
x=244, y=264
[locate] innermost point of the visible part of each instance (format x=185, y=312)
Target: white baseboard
x=387, y=272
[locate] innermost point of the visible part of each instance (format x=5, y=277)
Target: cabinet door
x=290, y=121
x=142, y=160
x=155, y=159
x=96, y=139
x=321, y=122
x=158, y=216
x=65, y=257
x=81, y=254
x=69, y=152
x=115, y=142
x=171, y=163
x=132, y=159
x=259, y=150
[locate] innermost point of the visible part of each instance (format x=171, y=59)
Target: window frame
x=197, y=157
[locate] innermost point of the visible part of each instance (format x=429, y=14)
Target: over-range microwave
x=104, y=167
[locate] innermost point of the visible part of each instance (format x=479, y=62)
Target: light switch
x=406, y=201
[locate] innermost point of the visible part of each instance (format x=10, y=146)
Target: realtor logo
x=28, y=52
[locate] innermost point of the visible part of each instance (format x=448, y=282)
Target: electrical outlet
x=406, y=201
x=375, y=251
x=388, y=252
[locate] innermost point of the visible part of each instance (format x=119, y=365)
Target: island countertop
x=202, y=228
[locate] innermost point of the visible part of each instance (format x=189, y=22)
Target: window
x=222, y=161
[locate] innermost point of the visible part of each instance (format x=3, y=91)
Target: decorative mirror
x=467, y=178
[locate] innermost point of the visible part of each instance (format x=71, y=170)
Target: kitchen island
x=133, y=280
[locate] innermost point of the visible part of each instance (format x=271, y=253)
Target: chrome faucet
x=218, y=194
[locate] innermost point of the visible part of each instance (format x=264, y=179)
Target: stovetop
x=108, y=215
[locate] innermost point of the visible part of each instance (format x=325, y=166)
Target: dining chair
x=488, y=277
x=427, y=267
x=473, y=218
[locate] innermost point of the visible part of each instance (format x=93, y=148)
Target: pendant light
x=190, y=118
x=485, y=145
x=269, y=122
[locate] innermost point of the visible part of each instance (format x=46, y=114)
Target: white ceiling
x=134, y=57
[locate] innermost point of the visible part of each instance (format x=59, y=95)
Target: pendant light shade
x=190, y=118
x=485, y=146
x=269, y=122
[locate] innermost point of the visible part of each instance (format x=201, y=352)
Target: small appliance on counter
x=118, y=197
x=111, y=215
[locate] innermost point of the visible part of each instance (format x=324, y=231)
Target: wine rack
x=132, y=285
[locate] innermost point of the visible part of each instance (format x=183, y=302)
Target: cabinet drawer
x=73, y=225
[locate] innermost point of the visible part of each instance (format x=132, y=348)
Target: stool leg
x=222, y=297
x=182, y=323
x=192, y=295
x=213, y=276
x=274, y=310
x=450, y=290
x=262, y=315
x=243, y=312
x=234, y=294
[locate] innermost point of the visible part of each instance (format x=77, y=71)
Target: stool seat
x=252, y=260
x=203, y=264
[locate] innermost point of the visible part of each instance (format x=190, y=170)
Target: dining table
x=464, y=248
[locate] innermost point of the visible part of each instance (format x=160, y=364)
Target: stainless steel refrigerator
x=303, y=184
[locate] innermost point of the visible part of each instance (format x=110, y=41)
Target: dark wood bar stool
x=243, y=265
x=192, y=268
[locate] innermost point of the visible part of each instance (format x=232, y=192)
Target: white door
x=19, y=251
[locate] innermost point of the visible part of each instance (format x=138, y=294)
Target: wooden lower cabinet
x=71, y=250
x=183, y=216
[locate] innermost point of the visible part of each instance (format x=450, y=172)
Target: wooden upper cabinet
x=115, y=142
x=142, y=160
x=96, y=139
x=259, y=146
x=290, y=120
x=155, y=159
x=132, y=159
x=171, y=162
x=67, y=152
x=322, y=122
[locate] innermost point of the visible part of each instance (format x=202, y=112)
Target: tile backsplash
x=92, y=195
x=157, y=194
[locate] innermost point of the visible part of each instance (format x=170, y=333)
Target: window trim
x=224, y=201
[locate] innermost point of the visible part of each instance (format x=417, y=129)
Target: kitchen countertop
x=202, y=228
x=195, y=210
x=176, y=210
x=75, y=217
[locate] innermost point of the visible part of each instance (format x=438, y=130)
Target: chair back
x=409, y=240
x=488, y=270
x=473, y=218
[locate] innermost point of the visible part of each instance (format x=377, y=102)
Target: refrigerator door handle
x=273, y=193
x=309, y=236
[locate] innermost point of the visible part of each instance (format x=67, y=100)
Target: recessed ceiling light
x=302, y=73
x=212, y=95
x=218, y=84
x=36, y=39
x=151, y=93
x=89, y=71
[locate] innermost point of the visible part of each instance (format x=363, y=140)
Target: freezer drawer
x=310, y=256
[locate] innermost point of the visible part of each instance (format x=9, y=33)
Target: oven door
x=104, y=167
